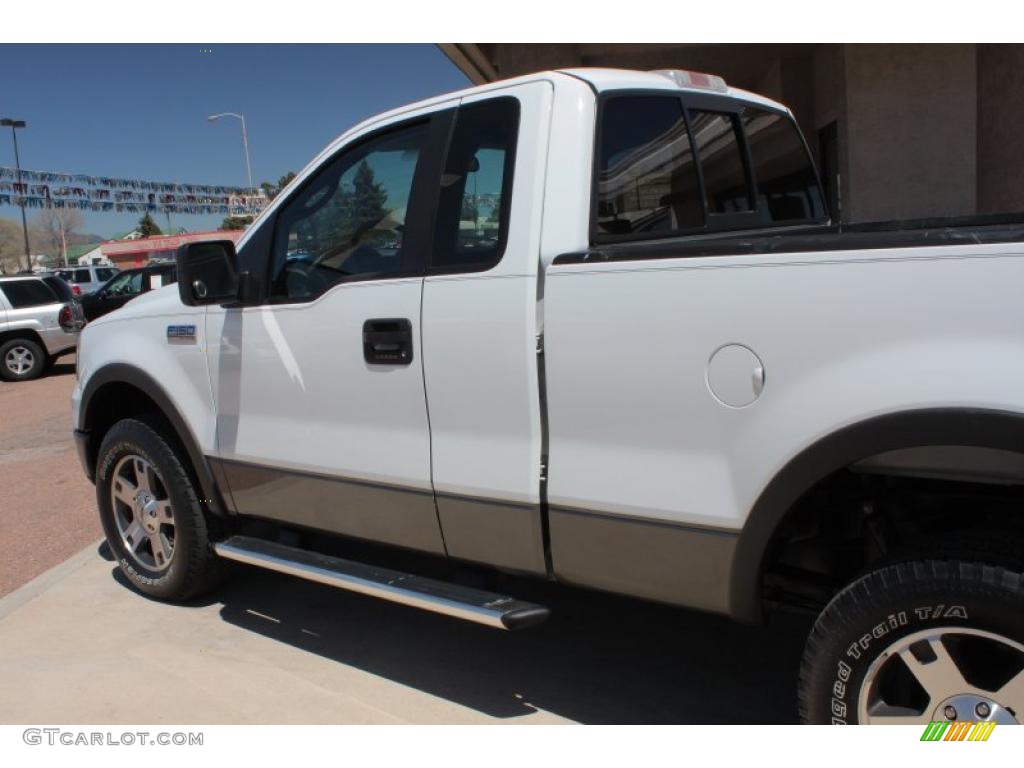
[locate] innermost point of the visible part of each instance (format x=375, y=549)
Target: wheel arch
x=968, y=427
x=116, y=385
x=22, y=333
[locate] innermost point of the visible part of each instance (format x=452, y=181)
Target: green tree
x=351, y=209
x=147, y=227
x=367, y=199
x=272, y=190
x=235, y=222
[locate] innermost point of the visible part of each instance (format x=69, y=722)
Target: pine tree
x=368, y=198
x=147, y=227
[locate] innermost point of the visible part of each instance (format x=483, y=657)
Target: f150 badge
x=181, y=332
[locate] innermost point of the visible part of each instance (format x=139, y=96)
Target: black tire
x=193, y=567
x=39, y=358
x=892, y=602
x=1005, y=548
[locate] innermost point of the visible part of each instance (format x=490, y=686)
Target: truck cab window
x=473, y=207
x=786, y=184
x=647, y=178
x=350, y=221
x=721, y=160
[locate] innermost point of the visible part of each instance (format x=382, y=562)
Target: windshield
x=124, y=284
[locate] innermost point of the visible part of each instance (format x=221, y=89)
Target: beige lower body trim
x=500, y=534
x=658, y=561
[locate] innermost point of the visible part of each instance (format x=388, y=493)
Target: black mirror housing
x=248, y=289
x=207, y=272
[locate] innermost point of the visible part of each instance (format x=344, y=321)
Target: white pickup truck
x=593, y=326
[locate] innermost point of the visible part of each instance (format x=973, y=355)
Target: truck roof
x=605, y=79
x=600, y=79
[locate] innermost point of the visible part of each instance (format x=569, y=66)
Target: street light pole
x=14, y=125
x=245, y=145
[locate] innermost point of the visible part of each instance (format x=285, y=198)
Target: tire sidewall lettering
x=858, y=656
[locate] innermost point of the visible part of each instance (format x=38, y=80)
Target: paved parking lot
x=78, y=645
x=47, y=512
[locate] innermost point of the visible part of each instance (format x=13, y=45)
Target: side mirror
x=207, y=273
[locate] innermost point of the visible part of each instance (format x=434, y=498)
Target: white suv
x=86, y=279
x=39, y=322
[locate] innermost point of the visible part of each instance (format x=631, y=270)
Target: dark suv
x=125, y=286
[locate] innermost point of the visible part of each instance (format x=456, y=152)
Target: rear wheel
x=21, y=360
x=151, y=513
x=919, y=641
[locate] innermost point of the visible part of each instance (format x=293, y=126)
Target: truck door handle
x=387, y=341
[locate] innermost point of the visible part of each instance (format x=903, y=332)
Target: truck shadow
x=598, y=659
x=62, y=368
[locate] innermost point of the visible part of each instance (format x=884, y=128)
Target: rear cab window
x=787, y=187
x=671, y=164
x=719, y=143
x=647, y=179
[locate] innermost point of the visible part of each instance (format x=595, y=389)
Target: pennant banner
x=235, y=206
x=41, y=189
x=46, y=177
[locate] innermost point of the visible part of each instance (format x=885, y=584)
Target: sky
x=139, y=111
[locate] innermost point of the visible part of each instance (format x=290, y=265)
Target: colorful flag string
x=43, y=189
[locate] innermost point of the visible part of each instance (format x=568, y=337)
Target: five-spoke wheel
x=945, y=673
x=920, y=641
x=156, y=524
x=142, y=511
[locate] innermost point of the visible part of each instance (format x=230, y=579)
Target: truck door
x=321, y=414
x=480, y=330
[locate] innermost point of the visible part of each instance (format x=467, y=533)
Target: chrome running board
x=454, y=600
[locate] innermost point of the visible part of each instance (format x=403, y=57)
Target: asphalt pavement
x=79, y=645
x=47, y=507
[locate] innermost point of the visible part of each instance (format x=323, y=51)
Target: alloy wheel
x=19, y=360
x=945, y=673
x=143, y=513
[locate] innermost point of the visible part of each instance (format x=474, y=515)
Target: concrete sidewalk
x=77, y=645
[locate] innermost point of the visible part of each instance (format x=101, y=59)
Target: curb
x=47, y=579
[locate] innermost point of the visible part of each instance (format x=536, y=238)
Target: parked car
x=39, y=321
x=668, y=376
x=125, y=286
x=86, y=279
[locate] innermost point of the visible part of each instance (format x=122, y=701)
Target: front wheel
x=21, y=360
x=915, y=642
x=151, y=513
